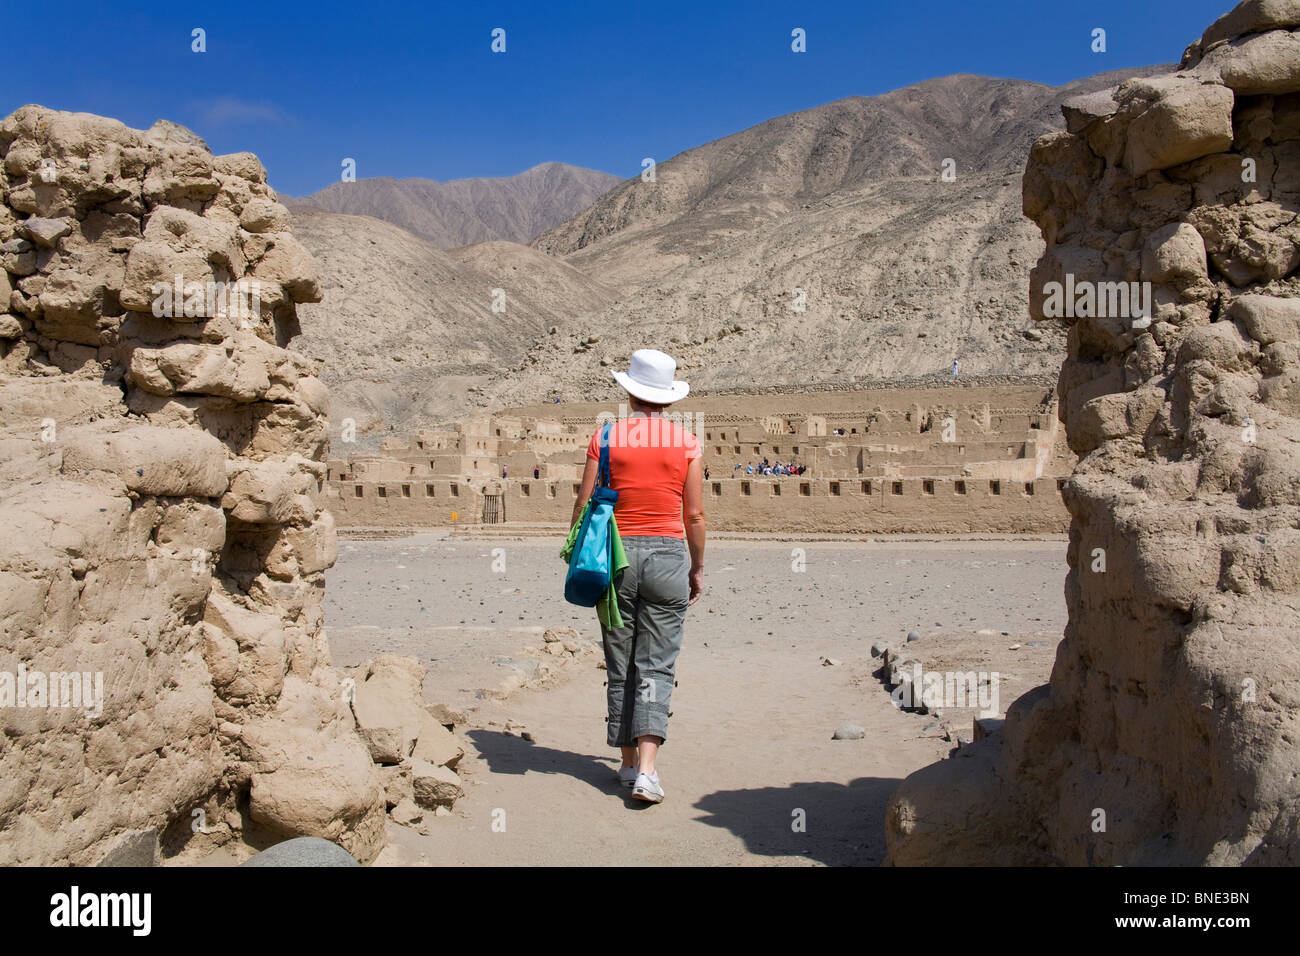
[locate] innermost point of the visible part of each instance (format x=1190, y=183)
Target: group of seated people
x=768, y=468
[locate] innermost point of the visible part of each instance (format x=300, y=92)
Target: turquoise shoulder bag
x=591, y=563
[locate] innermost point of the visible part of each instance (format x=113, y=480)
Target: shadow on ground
x=828, y=823
x=506, y=753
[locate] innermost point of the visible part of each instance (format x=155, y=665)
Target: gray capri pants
x=641, y=656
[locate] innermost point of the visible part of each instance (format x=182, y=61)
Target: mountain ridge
x=458, y=212
x=821, y=246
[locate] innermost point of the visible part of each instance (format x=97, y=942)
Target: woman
x=656, y=469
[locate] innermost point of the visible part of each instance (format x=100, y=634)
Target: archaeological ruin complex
x=954, y=458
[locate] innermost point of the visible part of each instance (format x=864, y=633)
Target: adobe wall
x=427, y=503
x=880, y=505
x=162, y=500
x=1169, y=733
x=944, y=449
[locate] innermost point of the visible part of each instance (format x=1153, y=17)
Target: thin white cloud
x=230, y=110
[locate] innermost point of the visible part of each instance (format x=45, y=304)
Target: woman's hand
x=697, y=584
x=693, y=521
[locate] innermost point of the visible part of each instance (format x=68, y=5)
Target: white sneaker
x=647, y=788
x=627, y=776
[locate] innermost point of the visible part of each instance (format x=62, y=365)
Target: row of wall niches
x=748, y=488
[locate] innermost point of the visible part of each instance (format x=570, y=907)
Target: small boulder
x=303, y=851
x=407, y=813
x=1174, y=251
x=435, y=786
x=436, y=744
x=389, y=698
x=1175, y=120
x=45, y=232
x=133, y=848
x=396, y=781
x=384, y=744
x=445, y=715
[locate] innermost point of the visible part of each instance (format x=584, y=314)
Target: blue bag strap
x=602, y=475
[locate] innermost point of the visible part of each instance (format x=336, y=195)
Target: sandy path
x=750, y=750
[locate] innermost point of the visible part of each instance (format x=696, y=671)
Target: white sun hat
x=650, y=378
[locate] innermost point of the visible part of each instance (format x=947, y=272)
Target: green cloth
x=607, y=606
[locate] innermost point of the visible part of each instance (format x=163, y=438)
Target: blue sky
x=415, y=90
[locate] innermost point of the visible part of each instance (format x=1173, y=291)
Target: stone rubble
x=414, y=749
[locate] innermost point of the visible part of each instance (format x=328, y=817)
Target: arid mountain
x=900, y=271
x=407, y=333
x=846, y=202
x=455, y=213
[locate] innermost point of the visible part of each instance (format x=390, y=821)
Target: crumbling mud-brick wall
x=161, y=468
x=1170, y=730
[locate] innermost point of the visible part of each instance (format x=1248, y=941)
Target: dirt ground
x=751, y=772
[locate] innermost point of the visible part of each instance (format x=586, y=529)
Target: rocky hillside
x=900, y=270
x=406, y=332
x=462, y=211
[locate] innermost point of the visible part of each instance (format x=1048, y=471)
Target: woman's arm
x=693, y=520
x=588, y=485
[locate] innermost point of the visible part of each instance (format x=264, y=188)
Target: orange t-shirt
x=647, y=463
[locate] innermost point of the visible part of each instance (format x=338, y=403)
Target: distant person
x=660, y=517
x=749, y=469
x=706, y=472
x=537, y=472
x=955, y=366
x=503, y=471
